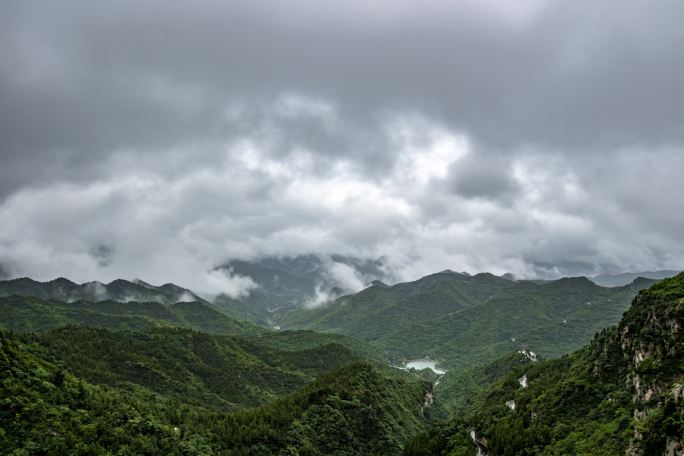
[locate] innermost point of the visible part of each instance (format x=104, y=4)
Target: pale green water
x=421, y=364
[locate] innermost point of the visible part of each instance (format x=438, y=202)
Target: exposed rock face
x=532, y=356
x=427, y=402
x=652, y=344
x=674, y=447
x=621, y=394
x=648, y=349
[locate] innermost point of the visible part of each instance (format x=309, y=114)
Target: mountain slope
x=358, y=409
x=466, y=320
x=19, y=313
x=460, y=390
x=285, y=283
x=219, y=372
x=62, y=289
x=621, y=394
x=295, y=340
x=624, y=278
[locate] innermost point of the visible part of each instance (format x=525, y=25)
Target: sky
x=161, y=139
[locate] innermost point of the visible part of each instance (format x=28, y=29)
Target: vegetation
x=45, y=409
x=465, y=321
x=303, y=339
x=622, y=392
x=461, y=390
x=18, y=313
x=221, y=372
x=118, y=290
x=183, y=379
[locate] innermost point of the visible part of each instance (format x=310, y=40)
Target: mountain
x=284, y=283
x=130, y=343
x=302, y=339
x=215, y=371
x=356, y=410
x=62, y=289
x=19, y=313
x=621, y=394
x=464, y=320
x=47, y=409
x=618, y=280
x=126, y=377
x=460, y=390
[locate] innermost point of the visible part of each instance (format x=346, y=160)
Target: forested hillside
x=45, y=409
x=460, y=390
x=464, y=320
x=621, y=394
x=18, y=313
x=151, y=378
x=62, y=289
x=221, y=372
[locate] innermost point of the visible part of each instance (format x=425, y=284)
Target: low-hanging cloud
x=319, y=298
x=346, y=277
x=223, y=281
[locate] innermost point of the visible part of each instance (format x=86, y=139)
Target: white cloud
x=425, y=150
x=222, y=281
x=320, y=298
x=346, y=277
x=174, y=215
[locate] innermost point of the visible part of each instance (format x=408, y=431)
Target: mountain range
x=531, y=368
x=118, y=290
x=26, y=313
x=462, y=320
x=46, y=409
x=286, y=283
x=621, y=394
x=624, y=278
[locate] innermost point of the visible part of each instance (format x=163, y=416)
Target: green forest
x=154, y=379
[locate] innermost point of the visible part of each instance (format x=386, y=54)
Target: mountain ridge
x=624, y=278
x=25, y=313
x=464, y=320
x=620, y=394
x=117, y=290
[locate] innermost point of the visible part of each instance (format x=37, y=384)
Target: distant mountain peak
x=579, y=280
x=641, y=283
x=625, y=278
x=61, y=281
x=142, y=283
x=117, y=290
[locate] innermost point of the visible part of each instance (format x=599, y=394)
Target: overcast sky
x=159, y=139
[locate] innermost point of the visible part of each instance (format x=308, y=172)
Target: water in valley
x=420, y=364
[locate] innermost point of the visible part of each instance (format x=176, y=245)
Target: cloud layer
x=160, y=140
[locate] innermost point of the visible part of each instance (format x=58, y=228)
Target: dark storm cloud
x=483, y=134
x=94, y=77
x=484, y=177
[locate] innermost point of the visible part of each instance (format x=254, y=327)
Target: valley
x=471, y=352
x=342, y=228
x=463, y=320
